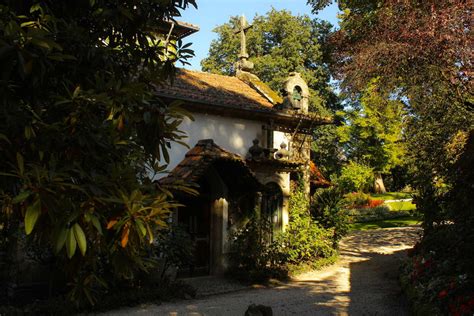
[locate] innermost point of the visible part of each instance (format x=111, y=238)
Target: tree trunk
x=379, y=187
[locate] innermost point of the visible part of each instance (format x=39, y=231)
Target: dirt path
x=363, y=282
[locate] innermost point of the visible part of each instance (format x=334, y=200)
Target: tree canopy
x=420, y=53
x=372, y=133
x=404, y=43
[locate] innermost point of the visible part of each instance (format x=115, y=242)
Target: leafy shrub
x=374, y=203
x=328, y=208
x=304, y=239
x=81, y=129
x=380, y=212
x=305, y=242
x=355, y=177
x=176, y=249
x=253, y=256
x=361, y=200
x=441, y=278
x=357, y=199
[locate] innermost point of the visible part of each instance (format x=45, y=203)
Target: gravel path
x=363, y=282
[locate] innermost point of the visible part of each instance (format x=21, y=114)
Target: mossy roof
x=214, y=89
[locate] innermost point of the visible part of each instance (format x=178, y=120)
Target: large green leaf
x=70, y=243
x=21, y=197
x=95, y=221
x=32, y=213
x=80, y=238
x=60, y=240
x=141, y=227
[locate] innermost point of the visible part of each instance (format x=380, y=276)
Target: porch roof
x=206, y=153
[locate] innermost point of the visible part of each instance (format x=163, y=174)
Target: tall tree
x=372, y=133
x=421, y=53
x=279, y=43
x=80, y=127
x=404, y=43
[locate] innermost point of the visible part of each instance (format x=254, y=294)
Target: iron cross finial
x=242, y=29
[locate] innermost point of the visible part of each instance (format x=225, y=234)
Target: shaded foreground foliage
x=439, y=281
x=81, y=134
x=447, y=245
x=149, y=292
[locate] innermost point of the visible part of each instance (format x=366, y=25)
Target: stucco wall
x=232, y=134
x=281, y=137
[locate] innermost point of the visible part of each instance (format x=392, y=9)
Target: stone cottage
x=246, y=144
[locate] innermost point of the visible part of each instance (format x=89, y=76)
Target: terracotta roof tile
x=213, y=89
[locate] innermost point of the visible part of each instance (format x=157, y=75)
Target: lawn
x=392, y=196
x=401, y=206
x=396, y=206
x=396, y=222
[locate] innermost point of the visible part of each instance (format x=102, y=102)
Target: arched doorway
x=272, y=206
x=223, y=180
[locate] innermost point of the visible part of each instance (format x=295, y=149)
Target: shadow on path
x=363, y=282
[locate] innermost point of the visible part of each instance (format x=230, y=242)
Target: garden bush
x=305, y=242
x=374, y=203
x=253, y=256
x=305, y=239
x=440, y=278
x=175, y=249
x=356, y=199
x=356, y=177
x=328, y=208
x=361, y=200
x=362, y=208
x=82, y=133
x=381, y=212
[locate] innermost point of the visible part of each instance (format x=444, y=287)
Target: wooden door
x=196, y=218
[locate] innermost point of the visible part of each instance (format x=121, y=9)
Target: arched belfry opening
x=296, y=93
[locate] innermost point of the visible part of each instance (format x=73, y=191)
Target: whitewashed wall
x=232, y=134
x=281, y=137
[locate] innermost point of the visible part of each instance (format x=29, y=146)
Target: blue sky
x=212, y=13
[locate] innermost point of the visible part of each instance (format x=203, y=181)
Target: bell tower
x=296, y=93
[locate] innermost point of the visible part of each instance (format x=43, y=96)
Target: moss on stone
x=261, y=87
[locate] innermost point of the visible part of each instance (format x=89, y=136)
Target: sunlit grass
x=392, y=196
x=401, y=206
x=396, y=222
